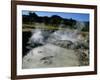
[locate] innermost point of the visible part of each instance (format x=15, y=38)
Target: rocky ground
x=59, y=48
x=50, y=55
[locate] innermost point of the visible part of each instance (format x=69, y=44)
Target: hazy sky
x=76, y=16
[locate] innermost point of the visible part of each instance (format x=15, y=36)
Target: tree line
x=54, y=20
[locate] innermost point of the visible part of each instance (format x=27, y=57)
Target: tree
x=32, y=17
x=25, y=19
x=70, y=23
x=46, y=20
x=55, y=20
x=86, y=28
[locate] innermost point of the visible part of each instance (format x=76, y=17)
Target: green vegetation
x=53, y=22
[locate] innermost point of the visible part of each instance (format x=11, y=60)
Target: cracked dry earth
x=50, y=55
